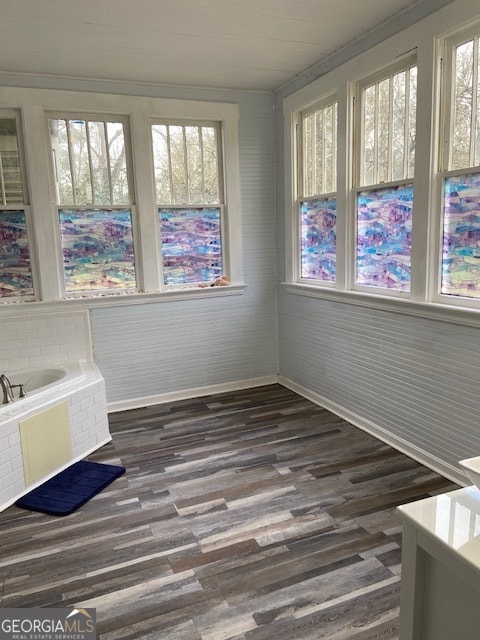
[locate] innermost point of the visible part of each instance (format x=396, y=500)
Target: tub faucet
x=7, y=389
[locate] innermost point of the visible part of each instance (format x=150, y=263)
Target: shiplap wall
x=150, y=351
x=412, y=381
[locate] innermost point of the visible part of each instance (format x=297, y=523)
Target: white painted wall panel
x=411, y=380
x=153, y=349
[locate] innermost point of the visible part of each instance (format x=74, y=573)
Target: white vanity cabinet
x=440, y=588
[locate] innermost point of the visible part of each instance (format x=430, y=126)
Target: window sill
x=432, y=310
x=27, y=307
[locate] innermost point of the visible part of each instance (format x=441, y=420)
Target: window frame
x=36, y=106
x=299, y=193
x=15, y=114
x=359, y=185
x=66, y=206
x=446, y=108
x=221, y=203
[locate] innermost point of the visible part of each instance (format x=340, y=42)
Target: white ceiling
x=236, y=44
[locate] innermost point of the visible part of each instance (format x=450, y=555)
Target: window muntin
x=317, y=204
x=188, y=181
x=16, y=277
x=386, y=131
x=94, y=204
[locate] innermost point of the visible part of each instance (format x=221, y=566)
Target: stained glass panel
x=318, y=239
x=384, y=237
x=461, y=237
x=191, y=245
x=97, y=250
x=15, y=268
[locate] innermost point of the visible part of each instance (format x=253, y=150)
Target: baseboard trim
x=420, y=455
x=186, y=394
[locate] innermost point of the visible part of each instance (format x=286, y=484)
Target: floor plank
x=250, y=515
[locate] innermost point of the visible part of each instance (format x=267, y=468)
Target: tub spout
x=7, y=389
x=21, y=393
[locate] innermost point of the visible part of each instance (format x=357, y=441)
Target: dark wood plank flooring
x=252, y=515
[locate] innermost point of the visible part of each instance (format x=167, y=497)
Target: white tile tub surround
x=84, y=389
x=49, y=340
x=44, y=339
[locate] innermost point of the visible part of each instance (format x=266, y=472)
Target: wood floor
x=253, y=515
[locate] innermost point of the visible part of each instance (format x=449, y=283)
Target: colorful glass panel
x=97, y=250
x=318, y=239
x=191, y=245
x=15, y=267
x=384, y=238
x=461, y=237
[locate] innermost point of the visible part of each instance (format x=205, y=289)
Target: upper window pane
x=11, y=189
x=388, y=109
x=90, y=162
x=319, y=131
x=465, y=132
x=186, y=163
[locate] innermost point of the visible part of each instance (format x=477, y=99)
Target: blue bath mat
x=69, y=489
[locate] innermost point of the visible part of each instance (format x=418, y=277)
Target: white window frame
x=299, y=197
x=24, y=206
x=221, y=204
x=446, y=49
x=36, y=105
x=357, y=151
x=59, y=206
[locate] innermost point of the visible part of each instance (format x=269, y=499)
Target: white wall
x=172, y=347
x=413, y=381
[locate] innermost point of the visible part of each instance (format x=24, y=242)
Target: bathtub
x=44, y=383
x=38, y=380
x=74, y=390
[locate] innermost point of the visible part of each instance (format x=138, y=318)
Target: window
x=460, y=268
x=139, y=197
x=384, y=195
x=190, y=203
x=317, y=190
x=16, y=278
x=94, y=203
